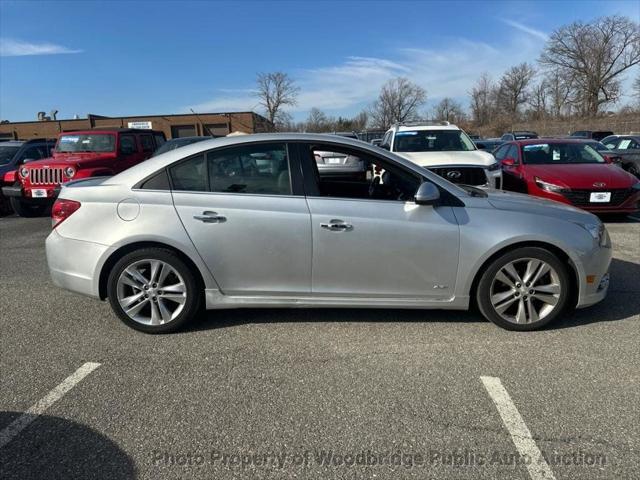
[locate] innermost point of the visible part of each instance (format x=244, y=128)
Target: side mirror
x=508, y=162
x=27, y=160
x=427, y=194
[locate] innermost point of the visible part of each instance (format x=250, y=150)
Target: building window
x=216, y=129
x=179, y=131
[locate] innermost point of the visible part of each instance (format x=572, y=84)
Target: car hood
x=583, y=175
x=435, y=159
x=519, y=202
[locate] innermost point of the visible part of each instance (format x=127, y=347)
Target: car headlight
x=69, y=172
x=494, y=166
x=598, y=232
x=549, y=187
x=24, y=172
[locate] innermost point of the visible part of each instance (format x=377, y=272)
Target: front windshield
x=7, y=153
x=432, y=141
x=560, y=153
x=91, y=142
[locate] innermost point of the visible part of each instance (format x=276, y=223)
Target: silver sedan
x=210, y=225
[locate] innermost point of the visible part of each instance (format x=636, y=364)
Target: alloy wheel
x=525, y=290
x=151, y=292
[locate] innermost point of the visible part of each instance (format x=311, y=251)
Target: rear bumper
x=74, y=264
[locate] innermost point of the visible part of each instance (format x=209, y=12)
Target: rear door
x=243, y=209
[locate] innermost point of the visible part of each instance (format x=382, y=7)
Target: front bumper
x=630, y=204
x=74, y=264
x=25, y=193
x=594, y=279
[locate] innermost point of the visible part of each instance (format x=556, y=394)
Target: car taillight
x=10, y=176
x=61, y=210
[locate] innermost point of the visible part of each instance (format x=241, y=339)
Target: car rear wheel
x=154, y=291
x=524, y=289
x=24, y=209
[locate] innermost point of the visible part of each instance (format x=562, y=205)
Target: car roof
x=109, y=130
x=406, y=128
x=537, y=141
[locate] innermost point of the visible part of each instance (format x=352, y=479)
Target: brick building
x=173, y=126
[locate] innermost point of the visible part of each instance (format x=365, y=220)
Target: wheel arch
x=131, y=247
x=559, y=252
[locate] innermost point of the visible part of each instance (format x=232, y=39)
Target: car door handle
x=210, y=217
x=337, y=226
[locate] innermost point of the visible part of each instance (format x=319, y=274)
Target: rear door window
x=256, y=169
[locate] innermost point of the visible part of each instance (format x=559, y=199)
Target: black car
x=488, y=144
x=522, y=135
x=177, y=143
x=596, y=135
x=14, y=153
x=627, y=149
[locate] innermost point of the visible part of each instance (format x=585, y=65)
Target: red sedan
x=568, y=171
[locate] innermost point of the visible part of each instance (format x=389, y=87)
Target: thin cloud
x=523, y=28
x=19, y=48
x=343, y=89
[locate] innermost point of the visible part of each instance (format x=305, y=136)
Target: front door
x=371, y=239
x=238, y=207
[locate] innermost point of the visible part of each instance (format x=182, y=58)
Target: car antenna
x=203, y=125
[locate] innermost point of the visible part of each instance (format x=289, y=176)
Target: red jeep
x=81, y=154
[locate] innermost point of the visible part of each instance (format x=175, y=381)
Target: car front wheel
x=524, y=289
x=154, y=291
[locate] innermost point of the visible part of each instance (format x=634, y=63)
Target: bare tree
x=449, y=110
x=276, y=90
x=636, y=88
x=513, y=88
x=482, y=100
x=595, y=55
x=562, y=94
x=539, y=100
x=398, y=101
x=317, y=121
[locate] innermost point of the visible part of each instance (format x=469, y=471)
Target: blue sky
x=135, y=58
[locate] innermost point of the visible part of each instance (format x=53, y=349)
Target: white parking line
x=537, y=465
x=23, y=421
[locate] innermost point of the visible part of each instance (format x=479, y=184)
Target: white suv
x=445, y=150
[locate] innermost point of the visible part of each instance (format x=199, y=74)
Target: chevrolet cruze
x=251, y=221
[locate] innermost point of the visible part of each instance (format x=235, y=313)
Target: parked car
x=510, y=136
x=81, y=154
x=568, y=171
x=489, y=144
x=597, y=135
x=336, y=164
x=14, y=153
x=626, y=148
x=177, y=143
x=609, y=139
x=194, y=227
x=609, y=155
x=446, y=150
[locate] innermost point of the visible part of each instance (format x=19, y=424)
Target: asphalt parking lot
x=331, y=393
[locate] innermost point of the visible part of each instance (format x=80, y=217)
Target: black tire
x=194, y=290
x=24, y=209
x=633, y=170
x=484, y=290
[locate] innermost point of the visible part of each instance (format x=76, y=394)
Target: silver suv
x=446, y=150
